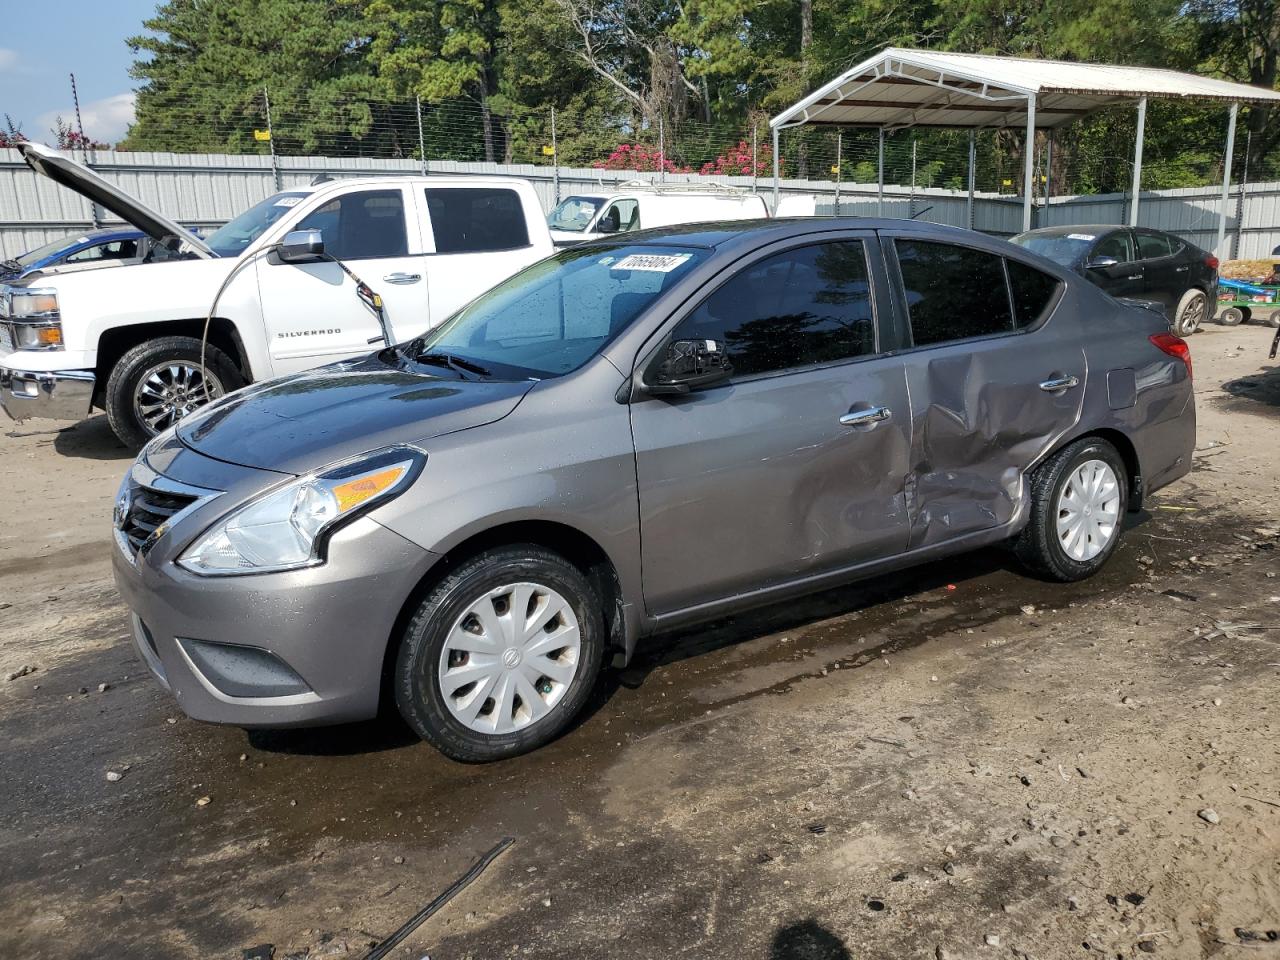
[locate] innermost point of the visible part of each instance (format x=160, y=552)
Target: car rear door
x=796, y=465
x=1165, y=274
x=994, y=383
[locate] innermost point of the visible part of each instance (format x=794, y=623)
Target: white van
x=638, y=205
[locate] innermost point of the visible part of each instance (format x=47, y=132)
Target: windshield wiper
x=453, y=363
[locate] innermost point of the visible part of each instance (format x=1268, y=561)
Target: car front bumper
x=51, y=395
x=292, y=648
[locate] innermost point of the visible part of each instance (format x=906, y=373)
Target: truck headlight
x=36, y=322
x=288, y=527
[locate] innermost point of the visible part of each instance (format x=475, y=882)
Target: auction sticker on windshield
x=651, y=262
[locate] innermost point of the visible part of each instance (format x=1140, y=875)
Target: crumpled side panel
x=981, y=420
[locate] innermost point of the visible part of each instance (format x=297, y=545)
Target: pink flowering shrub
x=736, y=162
x=639, y=156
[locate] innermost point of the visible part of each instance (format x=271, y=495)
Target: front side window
x=231, y=239
x=1153, y=246
x=803, y=307
x=1118, y=246
x=620, y=217
x=365, y=225
x=554, y=316
x=953, y=293
x=476, y=219
x=115, y=250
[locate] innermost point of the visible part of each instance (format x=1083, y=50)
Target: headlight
x=286, y=528
x=37, y=336
x=36, y=322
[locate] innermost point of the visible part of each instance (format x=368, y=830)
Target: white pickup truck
x=128, y=339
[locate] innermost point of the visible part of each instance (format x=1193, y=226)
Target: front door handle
x=1136, y=276
x=1059, y=383
x=866, y=418
x=402, y=278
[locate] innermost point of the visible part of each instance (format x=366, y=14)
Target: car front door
x=1124, y=278
x=796, y=465
x=1165, y=277
x=993, y=383
x=311, y=312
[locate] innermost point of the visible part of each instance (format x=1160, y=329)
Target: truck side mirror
x=302, y=246
x=688, y=365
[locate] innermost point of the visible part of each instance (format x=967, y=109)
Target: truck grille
x=147, y=511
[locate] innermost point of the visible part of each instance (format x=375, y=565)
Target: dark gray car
x=630, y=436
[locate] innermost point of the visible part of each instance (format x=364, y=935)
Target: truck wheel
x=159, y=382
x=1231, y=317
x=1078, y=501
x=501, y=654
x=1190, y=313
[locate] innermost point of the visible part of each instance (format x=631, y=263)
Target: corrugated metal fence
x=206, y=190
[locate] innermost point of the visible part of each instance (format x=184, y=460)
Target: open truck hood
x=63, y=170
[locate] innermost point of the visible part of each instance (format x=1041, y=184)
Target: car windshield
x=231, y=240
x=1067, y=249
x=48, y=250
x=574, y=213
x=554, y=316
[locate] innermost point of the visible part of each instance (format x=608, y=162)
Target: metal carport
x=900, y=88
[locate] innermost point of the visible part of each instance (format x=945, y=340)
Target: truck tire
x=1078, y=501
x=501, y=654
x=160, y=381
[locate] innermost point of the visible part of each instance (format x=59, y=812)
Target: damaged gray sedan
x=627, y=437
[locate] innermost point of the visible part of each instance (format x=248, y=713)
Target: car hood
x=300, y=423
x=62, y=170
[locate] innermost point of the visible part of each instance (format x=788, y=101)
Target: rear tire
x=1078, y=501
x=1190, y=312
x=170, y=362
x=1231, y=317
x=477, y=677
x=1273, y=319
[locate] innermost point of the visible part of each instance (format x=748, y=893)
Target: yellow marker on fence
x=548, y=151
x=263, y=135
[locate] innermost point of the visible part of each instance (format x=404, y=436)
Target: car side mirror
x=1101, y=263
x=302, y=246
x=690, y=365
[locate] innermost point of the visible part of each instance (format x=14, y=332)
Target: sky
x=43, y=43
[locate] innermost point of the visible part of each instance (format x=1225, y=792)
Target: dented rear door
x=994, y=382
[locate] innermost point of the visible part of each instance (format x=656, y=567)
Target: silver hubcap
x=1088, y=510
x=169, y=391
x=1191, y=316
x=510, y=658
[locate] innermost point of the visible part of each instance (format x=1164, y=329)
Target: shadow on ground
x=1257, y=393
x=91, y=439
x=807, y=940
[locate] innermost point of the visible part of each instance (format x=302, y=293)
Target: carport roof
x=924, y=88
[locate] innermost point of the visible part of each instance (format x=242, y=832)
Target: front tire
x=1078, y=501
x=159, y=382
x=501, y=654
x=1190, y=313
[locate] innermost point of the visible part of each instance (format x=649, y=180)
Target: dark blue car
x=117, y=245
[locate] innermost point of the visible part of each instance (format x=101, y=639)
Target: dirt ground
x=959, y=761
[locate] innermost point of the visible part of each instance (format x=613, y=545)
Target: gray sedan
x=630, y=436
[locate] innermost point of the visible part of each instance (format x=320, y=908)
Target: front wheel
x=159, y=382
x=1078, y=501
x=501, y=654
x=1190, y=313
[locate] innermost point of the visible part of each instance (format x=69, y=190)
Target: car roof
x=1097, y=229
x=122, y=232
x=720, y=233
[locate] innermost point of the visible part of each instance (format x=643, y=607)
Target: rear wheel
x=1273, y=318
x=1231, y=317
x=1078, y=501
x=1190, y=313
x=501, y=654
x=159, y=382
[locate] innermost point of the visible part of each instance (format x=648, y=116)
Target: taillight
x=1211, y=262
x=1174, y=347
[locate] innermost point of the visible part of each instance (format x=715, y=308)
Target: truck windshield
x=554, y=316
x=574, y=213
x=232, y=239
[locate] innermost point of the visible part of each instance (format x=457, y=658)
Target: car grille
x=147, y=511
x=7, y=339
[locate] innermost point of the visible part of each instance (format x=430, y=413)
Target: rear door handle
x=1136, y=276
x=1059, y=383
x=866, y=418
x=402, y=278
x=1181, y=269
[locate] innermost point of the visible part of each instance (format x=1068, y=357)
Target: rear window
x=1034, y=293
x=476, y=219
x=953, y=293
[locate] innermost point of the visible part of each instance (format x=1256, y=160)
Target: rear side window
x=953, y=293
x=365, y=225
x=1033, y=293
x=476, y=219
x=802, y=307
x=1152, y=246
